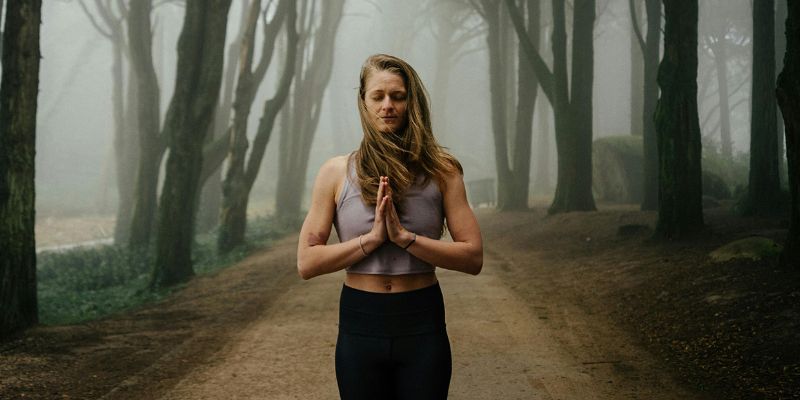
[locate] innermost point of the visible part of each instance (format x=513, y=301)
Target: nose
x=387, y=103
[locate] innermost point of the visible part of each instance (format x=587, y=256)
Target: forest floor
x=565, y=308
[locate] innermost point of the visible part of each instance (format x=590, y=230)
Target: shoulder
x=453, y=176
x=333, y=168
x=330, y=177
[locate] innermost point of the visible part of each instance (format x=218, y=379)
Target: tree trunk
x=312, y=79
x=764, y=186
x=18, y=99
x=211, y=192
x=721, y=63
x=527, y=90
x=201, y=47
x=498, y=92
x=574, y=114
x=652, y=49
x=238, y=180
x=637, y=76
x=126, y=158
x=541, y=181
x=445, y=54
x=788, y=92
x=680, y=187
x=151, y=148
x=780, y=50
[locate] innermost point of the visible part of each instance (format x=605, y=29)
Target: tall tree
x=511, y=81
x=18, y=99
x=201, y=47
x=239, y=179
x=151, y=144
x=453, y=27
x=780, y=50
x=788, y=93
x=725, y=39
x=572, y=104
x=313, y=71
x=527, y=90
x=541, y=180
x=763, y=195
x=211, y=192
x=498, y=89
x=650, y=46
x=637, y=70
x=109, y=19
x=680, y=209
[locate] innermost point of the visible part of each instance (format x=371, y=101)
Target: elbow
x=477, y=266
x=304, y=270
x=476, y=263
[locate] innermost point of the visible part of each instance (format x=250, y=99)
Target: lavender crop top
x=423, y=215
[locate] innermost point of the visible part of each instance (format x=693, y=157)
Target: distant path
x=503, y=348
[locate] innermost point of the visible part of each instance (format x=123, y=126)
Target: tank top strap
x=348, y=181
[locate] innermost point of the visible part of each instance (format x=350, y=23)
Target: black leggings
x=392, y=345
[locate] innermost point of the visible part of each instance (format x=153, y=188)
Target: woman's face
x=386, y=101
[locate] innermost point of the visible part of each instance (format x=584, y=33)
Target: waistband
x=392, y=314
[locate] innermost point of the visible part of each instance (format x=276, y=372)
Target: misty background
x=75, y=168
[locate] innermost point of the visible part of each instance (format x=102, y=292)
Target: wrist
x=407, y=239
x=370, y=242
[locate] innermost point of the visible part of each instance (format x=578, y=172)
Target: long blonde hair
x=404, y=155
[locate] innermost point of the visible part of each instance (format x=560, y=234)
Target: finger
x=382, y=207
x=381, y=189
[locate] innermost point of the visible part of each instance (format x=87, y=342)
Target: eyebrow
x=391, y=91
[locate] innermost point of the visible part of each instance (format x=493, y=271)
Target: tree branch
x=546, y=78
x=93, y=21
x=636, y=30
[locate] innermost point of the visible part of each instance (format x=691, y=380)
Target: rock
x=617, y=169
x=752, y=248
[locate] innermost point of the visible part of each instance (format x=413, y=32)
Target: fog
x=75, y=168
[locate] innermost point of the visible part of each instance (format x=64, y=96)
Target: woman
x=388, y=200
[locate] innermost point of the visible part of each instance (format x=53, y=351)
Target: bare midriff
x=390, y=283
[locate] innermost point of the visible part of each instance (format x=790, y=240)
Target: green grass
x=80, y=285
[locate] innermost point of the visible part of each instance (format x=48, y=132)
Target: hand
x=378, y=234
x=394, y=229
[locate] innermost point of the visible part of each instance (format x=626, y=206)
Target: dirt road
x=532, y=325
x=503, y=348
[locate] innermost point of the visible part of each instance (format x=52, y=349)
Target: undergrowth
x=85, y=284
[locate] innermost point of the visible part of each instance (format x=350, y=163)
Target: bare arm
x=316, y=257
x=465, y=253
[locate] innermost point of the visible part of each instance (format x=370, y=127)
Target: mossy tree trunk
x=764, y=185
x=680, y=211
x=788, y=92
x=18, y=100
x=201, y=47
x=238, y=179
